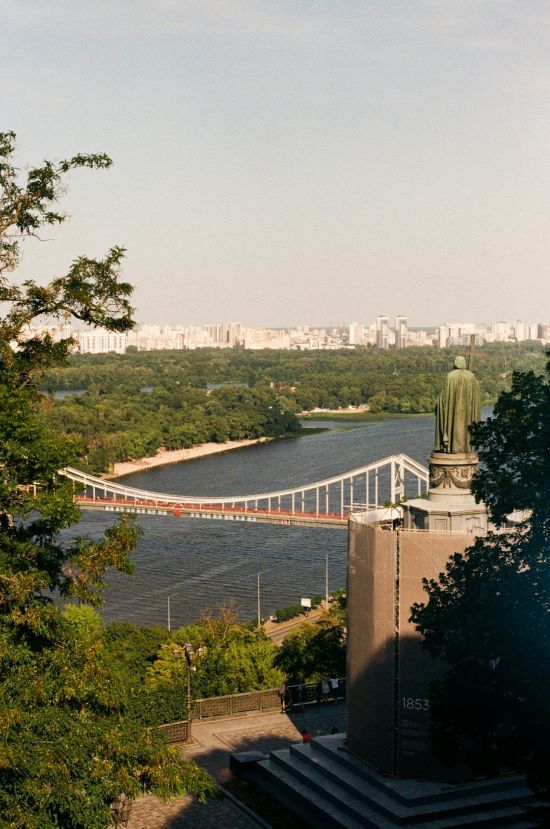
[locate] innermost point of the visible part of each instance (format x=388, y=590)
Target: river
x=204, y=564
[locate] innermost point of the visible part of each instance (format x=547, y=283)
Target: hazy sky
x=296, y=161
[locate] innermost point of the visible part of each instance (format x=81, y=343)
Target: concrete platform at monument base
x=327, y=787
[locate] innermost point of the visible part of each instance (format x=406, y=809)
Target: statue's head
x=460, y=362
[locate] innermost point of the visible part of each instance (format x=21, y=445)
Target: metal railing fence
x=235, y=705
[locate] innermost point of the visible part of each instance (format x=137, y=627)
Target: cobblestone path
x=150, y=813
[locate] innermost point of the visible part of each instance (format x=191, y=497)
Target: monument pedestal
x=450, y=505
x=389, y=674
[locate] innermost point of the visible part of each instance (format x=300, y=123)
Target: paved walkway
x=213, y=742
x=185, y=813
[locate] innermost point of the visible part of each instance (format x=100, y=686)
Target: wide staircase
x=328, y=788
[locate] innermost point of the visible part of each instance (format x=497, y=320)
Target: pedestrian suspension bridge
x=374, y=487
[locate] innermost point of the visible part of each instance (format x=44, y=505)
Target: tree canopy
x=514, y=451
x=315, y=649
x=68, y=747
x=238, y=657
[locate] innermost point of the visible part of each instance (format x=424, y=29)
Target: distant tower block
x=382, y=331
x=400, y=331
x=355, y=334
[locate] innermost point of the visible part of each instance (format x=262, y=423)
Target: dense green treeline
x=361, y=369
x=137, y=403
x=122, y=424
x=147, y=661
x=150, y=674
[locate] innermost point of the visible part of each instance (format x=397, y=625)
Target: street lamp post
x=258, y=601
x=189, y=656
x=189, y=653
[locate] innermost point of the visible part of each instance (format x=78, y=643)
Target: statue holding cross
x=458, y=406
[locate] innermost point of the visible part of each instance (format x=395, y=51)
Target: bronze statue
x=458, y=406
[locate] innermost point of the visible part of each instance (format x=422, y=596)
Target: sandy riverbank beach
x=163, y=458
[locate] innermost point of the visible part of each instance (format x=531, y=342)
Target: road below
x=278, y=631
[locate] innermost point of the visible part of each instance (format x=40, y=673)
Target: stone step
x=313, y=809
x=509, y=818
x=352, y=793
x=414, y=792
x=329, y=769
x=355, y=808
x=319, y=810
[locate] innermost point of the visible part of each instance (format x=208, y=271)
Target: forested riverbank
x=164, y=457
x=133, y=405
x=123, y=424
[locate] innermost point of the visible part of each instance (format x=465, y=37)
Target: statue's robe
x=458, y=406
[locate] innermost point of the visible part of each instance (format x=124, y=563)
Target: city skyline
x=379, y=333
x=277, y=161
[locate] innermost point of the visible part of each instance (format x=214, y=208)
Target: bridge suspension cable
x=328, y=501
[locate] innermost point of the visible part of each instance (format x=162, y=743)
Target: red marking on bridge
x=132, y=505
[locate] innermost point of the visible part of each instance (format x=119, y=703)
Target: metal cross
x=471, y=351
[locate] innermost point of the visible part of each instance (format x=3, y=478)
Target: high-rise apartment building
x=502, y=330
x=355, y=334
x=382, y=331
x=442, y=336
x=100, y=341
x=226, y=334
x=531, y=331
x=400, y=331
x=457, y=333
x=519, y=331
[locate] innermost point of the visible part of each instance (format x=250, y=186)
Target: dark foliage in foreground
x=68, y=748
x=488, y=614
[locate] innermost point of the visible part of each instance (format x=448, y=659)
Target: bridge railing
x=234, y=705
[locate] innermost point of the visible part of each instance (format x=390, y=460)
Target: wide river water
x=204, y=564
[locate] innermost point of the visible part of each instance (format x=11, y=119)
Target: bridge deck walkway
x=253, y=515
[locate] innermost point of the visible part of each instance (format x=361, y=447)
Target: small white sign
x=305, y=602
